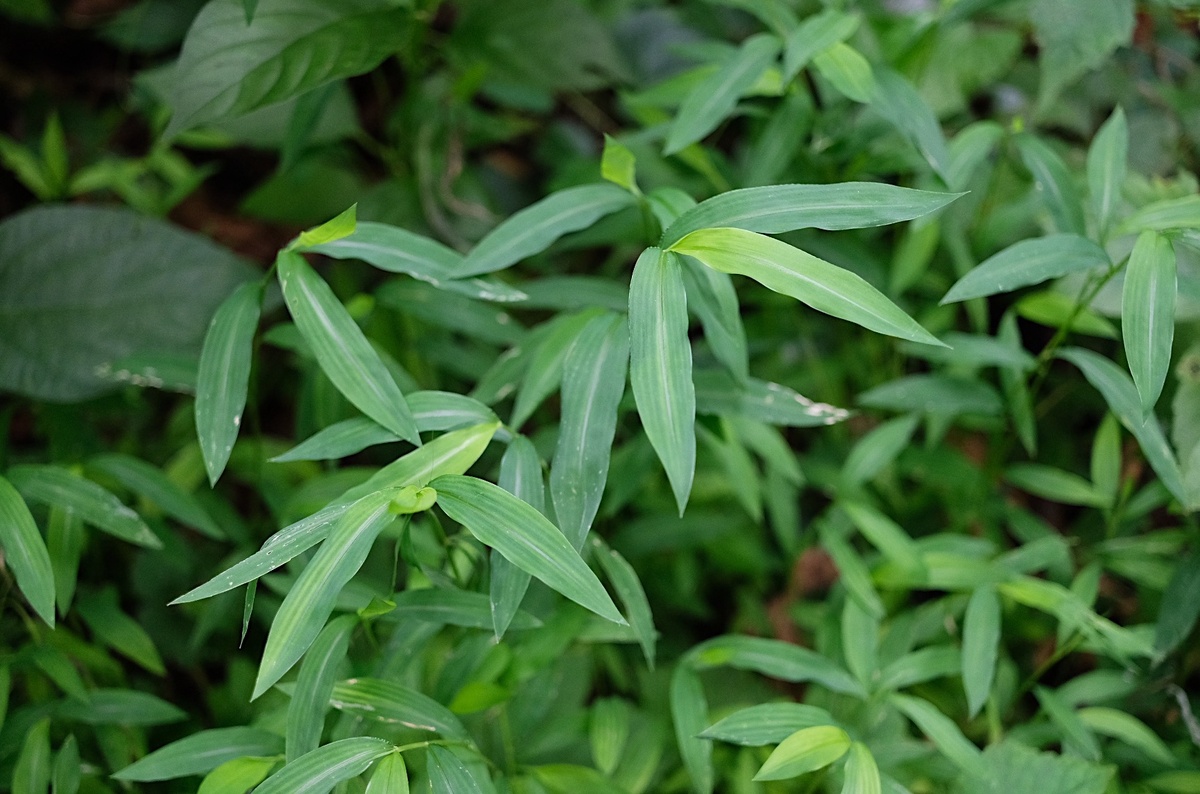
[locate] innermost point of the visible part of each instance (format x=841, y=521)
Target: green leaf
x=525, y=537
x=56, y=486
x=201, y=753
x=1073, y=39
x=608, y=731
x=83, y=287
x=941, y=730
x=1106, y=160
x=393, y=702
x=860, y=642
x=343, y=225
x=1009, y=767
x=854, y=574
x=319, y=771
x=114, y=628
x=228, y=68
x=452, y=453
x=767, y=723
x=120, y=707
x=314, y=686
x=1122, y=398
x=885, y=534
x=714, y=98
x=449, y=775
x=782, y=208
x=1054, y=182
x=1163, y=216
x=31, y=774
x=535, y=228
x=224, y=375
x=1075, y=734
x=776, y=659
x=65, y=540
x=791, y=271
x=619, y=165
x=919, y=666
x=815, y=34
x=897, y=100
x=878, y=449
x=454, y=608
x=150, y=483
x=847, y=70
x=806, y=750
x=1055, y=484
x=1148, y=314
x=391, y=776
x=1180, y=605
x=1057, y=310
x=310, y=601
x=521, y=476
x=1054, y=599
x=721, y=394
x=593, y=383
x=238, y=775
x=68, y=770
x=341, y=349
x=1128, y=729
x=689, y=714
x=1028, y=262
x=660, y=366
x=980, y=646
x=712, y=297
x=625, y=581
x=25, y=552
x=545, y=370
x=862, y=774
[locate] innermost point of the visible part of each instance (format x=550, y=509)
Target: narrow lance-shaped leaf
x=1106, y=167
x=31, y=773
x=862, y=774
x=545, y=370
x=318, y=671
x=980, y=643
x=710, y=102
x=320, y=770
x=452, y=453
x=1028, y=262
x=593, y=382
x=341, y=349
x=393, y=702
x=224, y=375
x=712, y=297
x=533, y=229
x=791, y=271
x=941, y=730
x=660, y=365
x=343, y=225
x=767, y=723
x=521, y=476
x=525, y=537
x=897, y=100
x=1148, y=314
x=310, y=601
x=68, y=771
x=625, y=581
x=847, y=70
x=149, y=482
x=59, y=487
x=201, y=753
x=689, y=713
x=390, y=776
x=783, y=208
x=1053, y=181
x=815, y=34
x=448, y=774
x=25, y=552
x=806, y=750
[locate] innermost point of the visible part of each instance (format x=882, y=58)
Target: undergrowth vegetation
x=600, y=396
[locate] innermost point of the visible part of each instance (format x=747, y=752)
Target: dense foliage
x=565, y=396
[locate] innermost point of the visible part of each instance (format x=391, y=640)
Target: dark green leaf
x=31, y=774
x=862, y=774
x=712, y=297
x=1054, y=182
x=774, y=658
x=625, y=581
x=114, y=628
x=689, y=713
x=718, y=393
x=1074, y=38
x=314, y=686
x=201, y=753
x=319, y=771
x=454, y=608
x=120, y=707
x=1010, y=767
x=54, y=485
x=941, y=730
x=660, y=365
x=68, y=771
x=25, y=552
x=897, y=100
x=1075, y=734
x=1148, y=314
x=392, y=702
x=150, y=483
x=1180, y=605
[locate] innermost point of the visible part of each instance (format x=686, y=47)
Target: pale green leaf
x=711, y=295
x=31, y=774
x=1162, y=216
x=862, y=774
x=1128, y=729
x=238, y=775
x=806, y=750
x=336, y=228
x=608, y=730
x=448, y=774
x=941, y=730
x=815, y=34
x=791, y=271
x=1148, y=314
x=390, y=777
x=341, y=349
x=618, y=165
x=1054, y=183
x=1074, y=38
x=847, y=71
x=1076, y=735
x=1055, y=484
x=884, y=534
x=660, y=365
x=689, y=714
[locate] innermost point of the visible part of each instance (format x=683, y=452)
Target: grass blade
x=1028, y=262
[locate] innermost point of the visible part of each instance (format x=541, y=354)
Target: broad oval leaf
x=1148, y=314
x=525, y=537
x=980, y=646
x=25, y=552
x=310, y=601
x=314, y=686
x=452, y=453
x=783, y=208
x=1028, y=262
x=393, y=702
x=228, y=68
x=767, y=723
x=660, y=366
x=534, y=228
x=59, y=487
x=201, y=753
x=806, y=750
x=791, y=271
x=710, y=102
x=83, y=287
x=319, y=771
x=341, y=349
x=593, y=383
x=224, y=376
